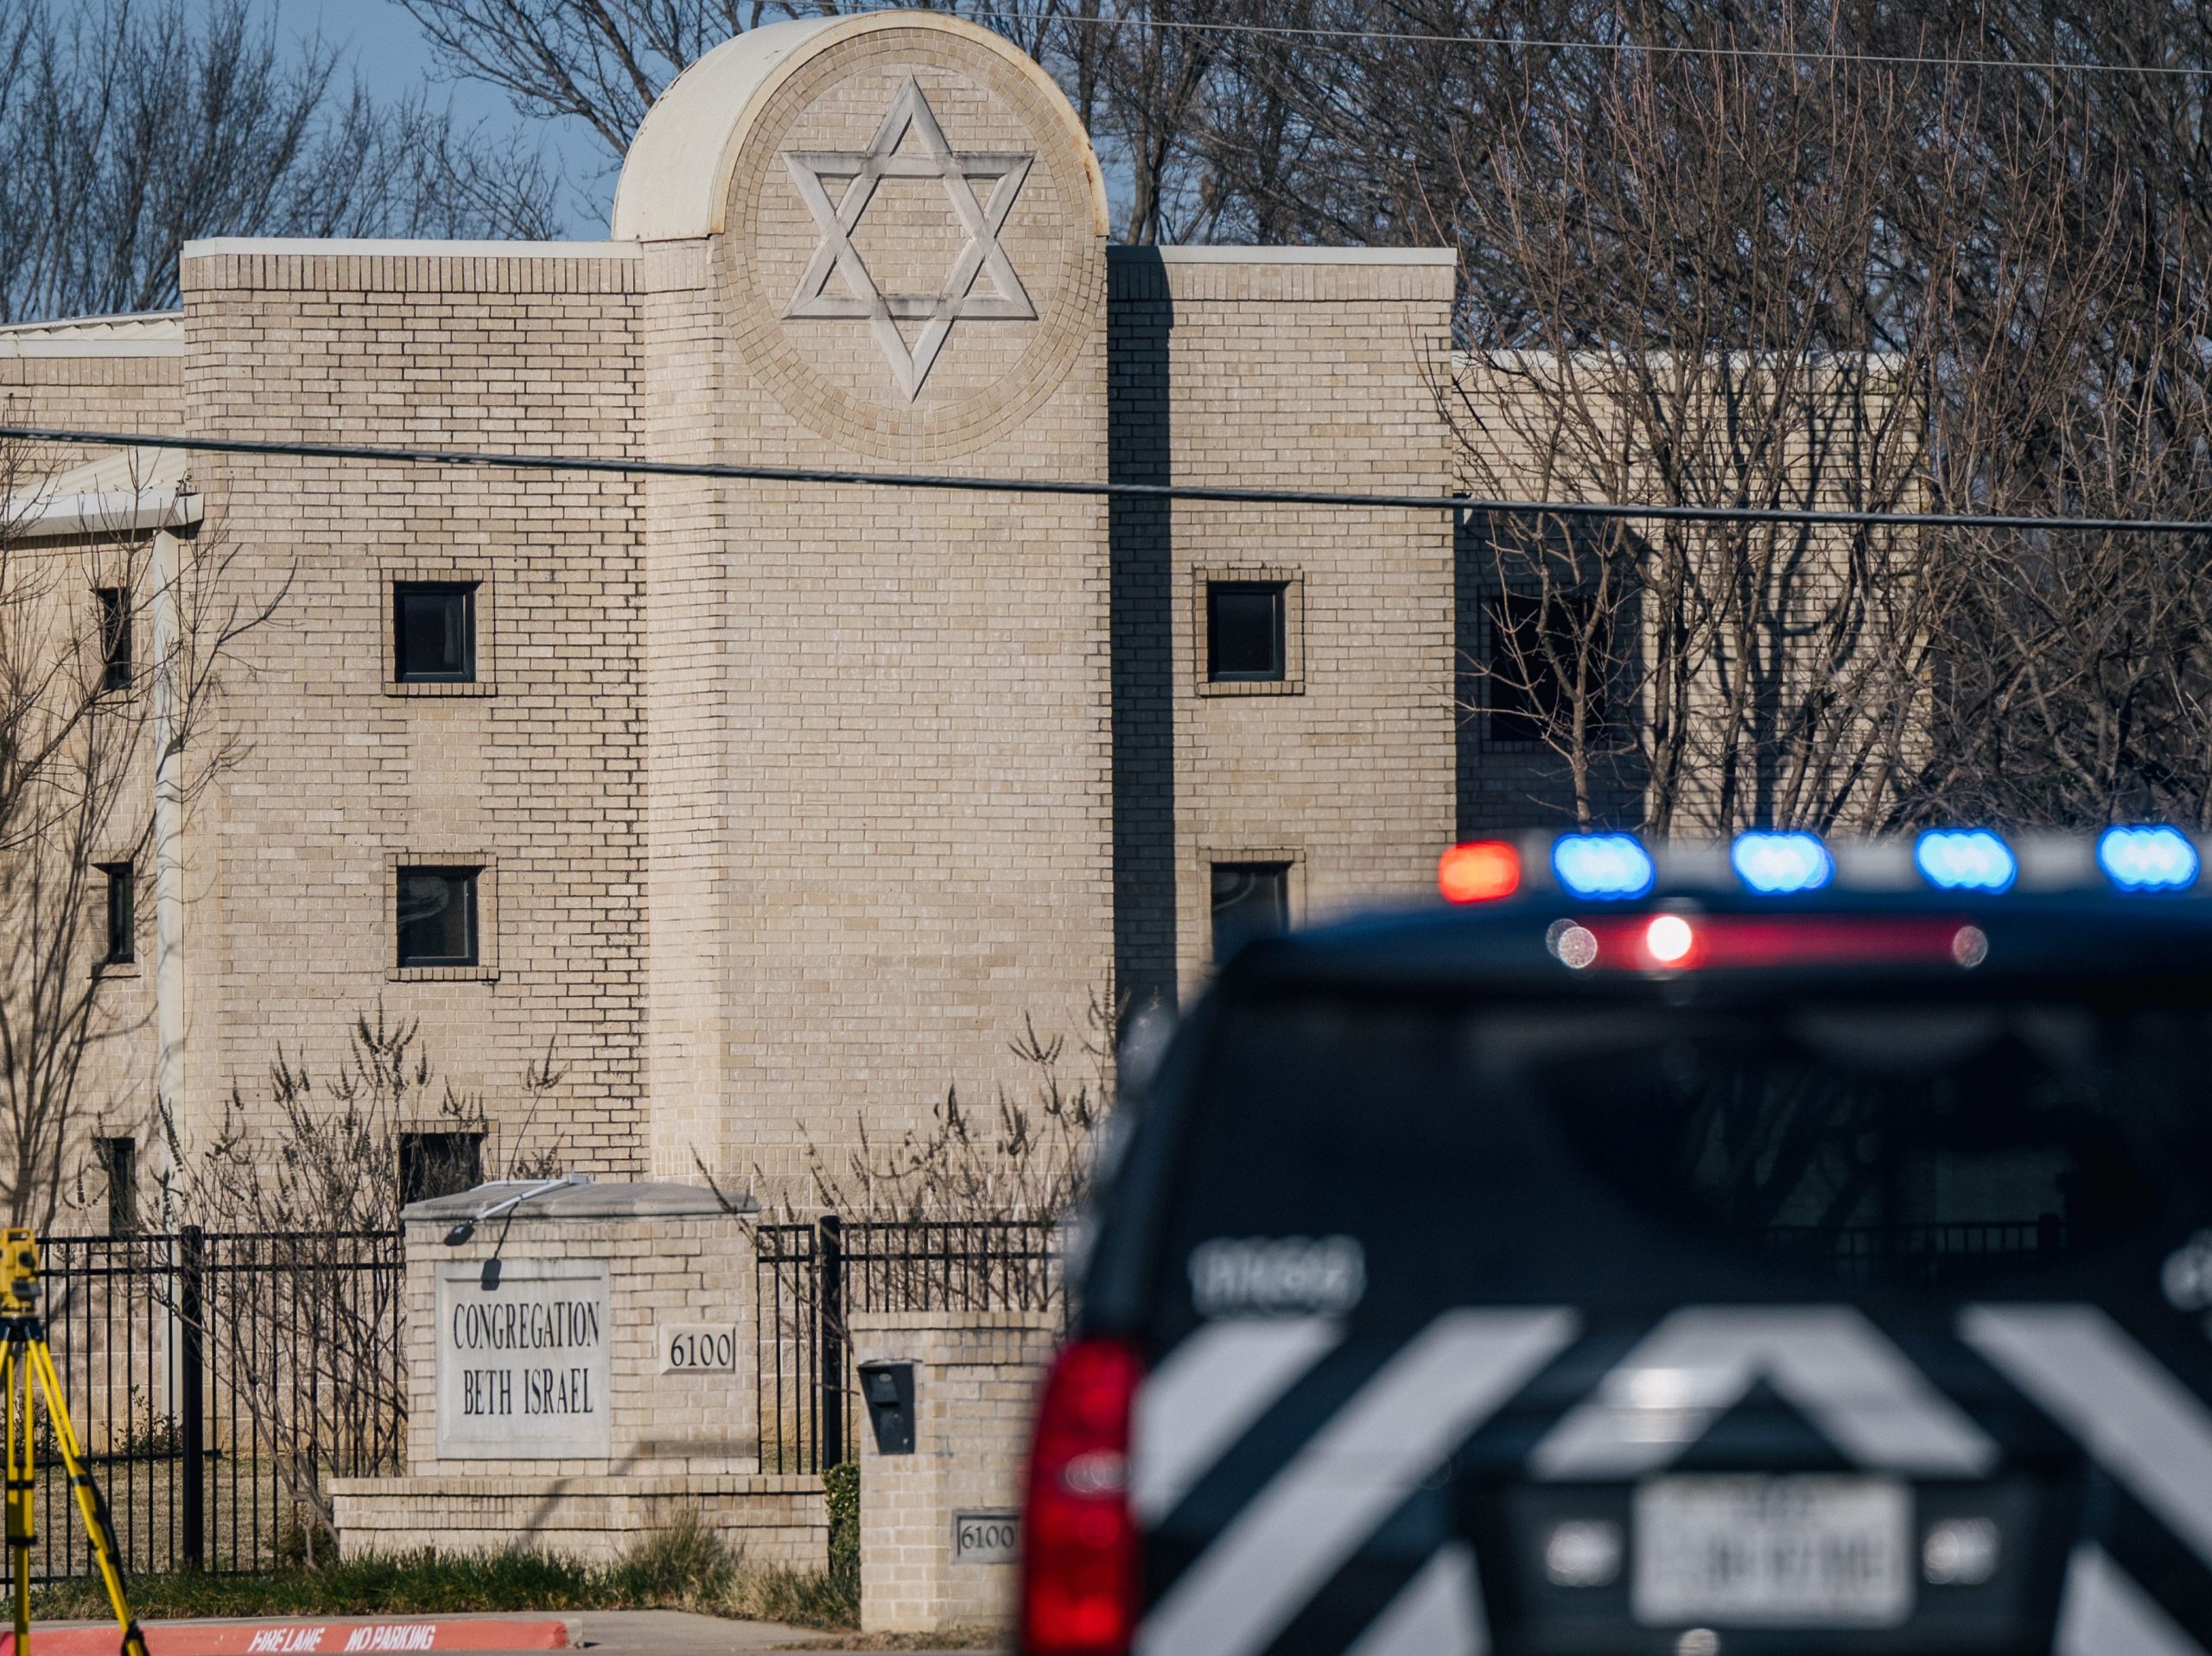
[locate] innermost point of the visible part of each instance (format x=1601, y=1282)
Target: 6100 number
x=690, y=1349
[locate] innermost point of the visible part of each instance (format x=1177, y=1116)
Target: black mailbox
x=888, y=1391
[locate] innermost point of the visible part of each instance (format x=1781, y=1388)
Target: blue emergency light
x=1966, y=859
x=2142, y=858
x=1603, y=866
x=1778, y=864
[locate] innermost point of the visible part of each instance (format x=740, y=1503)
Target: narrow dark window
x=1250, y=899
x=119, y=1160
x=1536, y=646
x=438, y=1163
x=121, y=939
x=437, y=917
x=433, y=632
x=1244, y=631
x=115, y=636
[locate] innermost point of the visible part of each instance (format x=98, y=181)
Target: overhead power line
x=1794, y=55
x=1245, y=494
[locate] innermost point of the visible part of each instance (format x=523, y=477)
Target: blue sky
x=389, y=52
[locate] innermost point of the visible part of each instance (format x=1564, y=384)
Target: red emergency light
x=1481, y=870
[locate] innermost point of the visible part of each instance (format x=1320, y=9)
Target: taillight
x=1079, y=1538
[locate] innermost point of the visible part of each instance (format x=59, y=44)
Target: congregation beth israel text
x=527, y=1325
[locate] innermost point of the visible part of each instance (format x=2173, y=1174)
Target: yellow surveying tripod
x=25, y=1353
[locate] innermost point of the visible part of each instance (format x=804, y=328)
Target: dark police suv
x=1763, y=1248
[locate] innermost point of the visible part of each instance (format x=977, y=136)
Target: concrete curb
x=328, y=1636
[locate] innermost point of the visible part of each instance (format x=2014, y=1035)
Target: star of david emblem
x=982, y=221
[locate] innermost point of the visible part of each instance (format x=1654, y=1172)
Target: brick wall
x=335, y=776
x=1306, y=369
x=120, y=375
x=912, y=829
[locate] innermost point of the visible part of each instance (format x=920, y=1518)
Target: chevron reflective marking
x=1828, y=1361
x=1438, y=1613
x=2143, y=1425
x=2104, y=1613
x=1316, y=1512
x=1208, y=1393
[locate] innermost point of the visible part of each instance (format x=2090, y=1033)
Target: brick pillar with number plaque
x=937, y=1525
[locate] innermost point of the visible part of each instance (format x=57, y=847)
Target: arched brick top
x=991, y=268
x=675, y=182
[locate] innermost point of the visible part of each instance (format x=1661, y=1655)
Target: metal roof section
x=145, y=334
x=581, y=1199
x=127, y=492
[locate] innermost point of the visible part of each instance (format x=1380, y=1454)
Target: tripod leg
x=90, y=1500
x=20, y=1450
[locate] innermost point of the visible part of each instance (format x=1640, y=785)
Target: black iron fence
x=219, y=1382
x=812, y=1276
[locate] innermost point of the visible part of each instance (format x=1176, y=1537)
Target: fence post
x=191, y=1396
x=830, y=1288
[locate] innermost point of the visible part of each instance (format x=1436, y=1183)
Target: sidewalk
x=678, y=1633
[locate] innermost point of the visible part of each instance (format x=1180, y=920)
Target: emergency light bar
x=2135, y=859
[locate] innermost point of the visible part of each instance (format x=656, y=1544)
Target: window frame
x=1291, y=615
x=119, y=1152
x=1278, y=596
x=1287, y=863
x=118, y=915
x=396, y=573
x=118, y=666
x=402, y=591
x=466, y=876
x=486, y=867
x=417, y=1139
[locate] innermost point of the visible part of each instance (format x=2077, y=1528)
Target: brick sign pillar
x=603, y=1385
x=937, y=1525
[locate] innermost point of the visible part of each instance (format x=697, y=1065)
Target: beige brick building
x=780, y=805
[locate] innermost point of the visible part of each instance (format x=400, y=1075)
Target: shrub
x=679, y=1562
x=841, y=1489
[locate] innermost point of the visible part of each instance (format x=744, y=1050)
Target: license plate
x=1803, y=1551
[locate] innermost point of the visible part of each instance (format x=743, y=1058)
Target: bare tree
x=134, y=125
x=112, y=647
x=306, y=1187
x=1695, y=317
x=2075, y=679
x=1141, y=74
x=1746, y=267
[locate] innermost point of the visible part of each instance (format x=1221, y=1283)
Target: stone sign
x=523, y=1370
